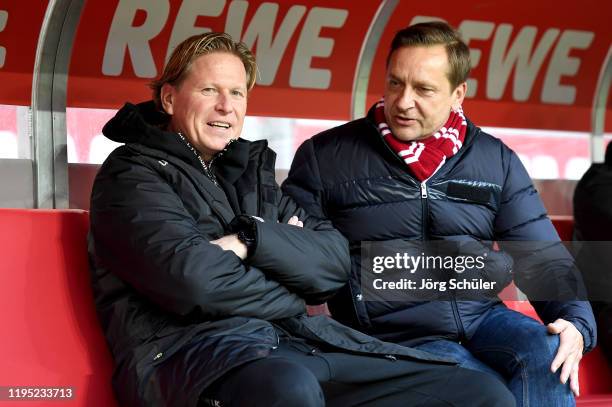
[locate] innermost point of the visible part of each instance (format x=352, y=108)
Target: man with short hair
x=415, y=169
x=202, y=269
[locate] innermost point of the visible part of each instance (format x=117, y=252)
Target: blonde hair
x=193, y=47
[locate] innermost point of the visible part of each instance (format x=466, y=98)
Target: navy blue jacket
x=351, y=177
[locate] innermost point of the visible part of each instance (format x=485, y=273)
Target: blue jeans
x=517, y=350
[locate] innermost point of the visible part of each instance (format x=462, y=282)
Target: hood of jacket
x=144, y=124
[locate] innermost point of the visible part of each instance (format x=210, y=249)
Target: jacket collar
x=144, y=124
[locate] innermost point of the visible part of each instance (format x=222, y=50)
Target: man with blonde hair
x=202, y=269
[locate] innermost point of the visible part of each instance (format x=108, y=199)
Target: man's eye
x=237, y=93
x=208, y=91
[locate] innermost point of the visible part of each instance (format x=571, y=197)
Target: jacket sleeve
x=312, y=261
x=544, y=270
x=304, y=181
x=144, y=234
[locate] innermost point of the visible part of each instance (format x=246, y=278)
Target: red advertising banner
x=535, y=64
x=20, y=27
x=307, y=52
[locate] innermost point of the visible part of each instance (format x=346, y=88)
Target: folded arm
x=145, y=235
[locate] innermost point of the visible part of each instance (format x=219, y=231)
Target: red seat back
x=595, y=372
x=564, y=226
x=50, y=332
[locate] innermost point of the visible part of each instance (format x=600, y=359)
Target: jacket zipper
x=277, y=340
x=424, y=235
x=457, y=318
x=425, y=217
x=206, y=168
x=424, y=210
x=260, y=164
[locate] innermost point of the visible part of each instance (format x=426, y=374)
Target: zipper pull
x=277, y=341
x=423, y=190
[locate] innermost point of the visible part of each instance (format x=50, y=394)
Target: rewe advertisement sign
x=534, y=64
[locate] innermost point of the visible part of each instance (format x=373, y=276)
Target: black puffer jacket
x=483, y=193
x=179, y=312
x=593, y=223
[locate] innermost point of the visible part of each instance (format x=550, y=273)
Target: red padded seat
x=50, y=332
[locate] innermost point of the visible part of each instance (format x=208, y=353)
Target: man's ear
x=167, y=98
x=459, y=94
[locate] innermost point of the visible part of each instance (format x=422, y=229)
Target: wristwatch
x=246, y=231
x=247, y=236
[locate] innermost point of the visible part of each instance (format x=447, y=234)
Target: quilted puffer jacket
x=482, y=194
x=179, y=312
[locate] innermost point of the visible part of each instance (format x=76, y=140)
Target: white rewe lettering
x=475, y=30
x=310, y=45
x=425, y=19
x=184, y=25
x=561, y=64
x=123, y=36
x=259, y=36
x=3, y=19
x=519, y=57
x=236, y=13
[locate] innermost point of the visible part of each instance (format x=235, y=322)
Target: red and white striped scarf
x=424, y=157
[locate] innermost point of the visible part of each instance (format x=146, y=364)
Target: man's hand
x=231, y=242
x=295, y=222
x=571, y=346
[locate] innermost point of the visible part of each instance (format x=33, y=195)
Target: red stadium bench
x=51, y=337
x=50, y=333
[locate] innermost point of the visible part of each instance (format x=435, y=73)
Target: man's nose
x=224, y=103
x=406, y=99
